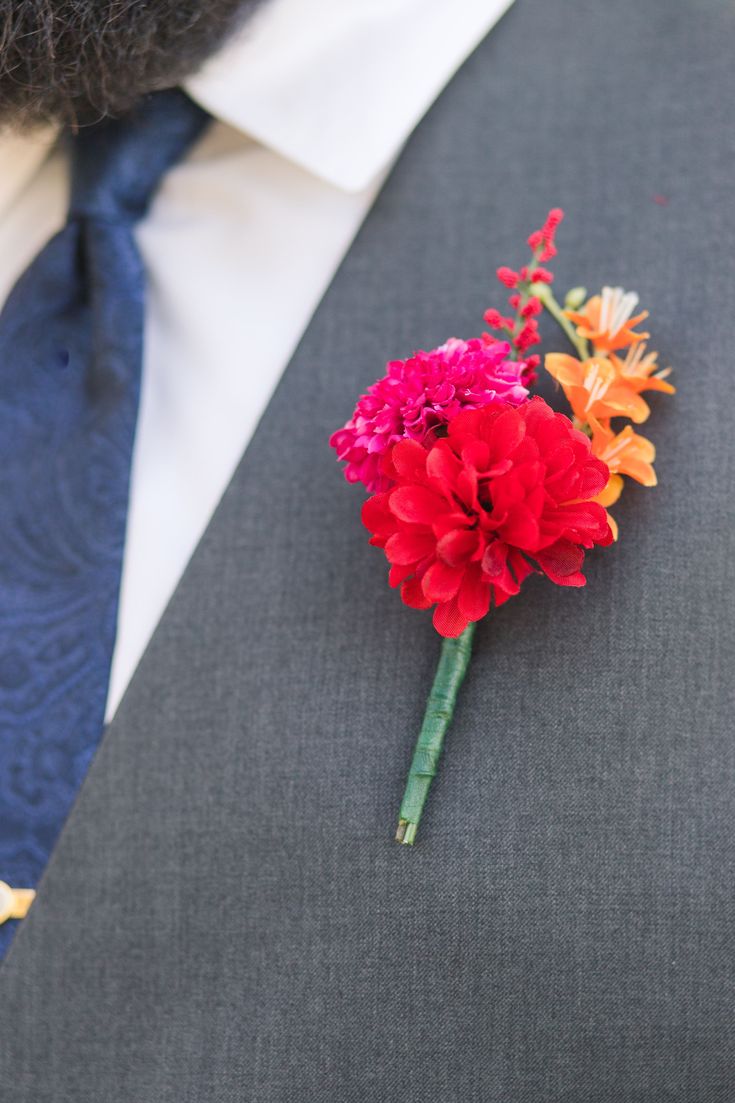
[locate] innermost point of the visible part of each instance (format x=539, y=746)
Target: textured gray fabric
x=226, y=917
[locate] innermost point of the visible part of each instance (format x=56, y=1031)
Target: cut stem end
x=406, y=832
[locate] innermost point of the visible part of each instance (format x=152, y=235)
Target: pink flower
x=418, y=396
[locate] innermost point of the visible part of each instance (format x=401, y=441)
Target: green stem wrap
x=453, y=663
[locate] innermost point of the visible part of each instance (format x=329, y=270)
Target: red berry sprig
x=521, y=328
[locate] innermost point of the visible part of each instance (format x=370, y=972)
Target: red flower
x=507, y=492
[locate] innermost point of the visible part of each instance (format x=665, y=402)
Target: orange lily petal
x=625, y=453
x=566, y=370
x=612, y=491
x=607, y=320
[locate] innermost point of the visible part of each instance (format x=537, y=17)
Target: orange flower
x=625, y=453
x=607, y=320
x=637, y=368
x=595, y=388
x=609, y=497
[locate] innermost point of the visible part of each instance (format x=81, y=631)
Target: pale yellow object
x=14, y=903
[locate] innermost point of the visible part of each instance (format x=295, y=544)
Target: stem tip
x=406, y=832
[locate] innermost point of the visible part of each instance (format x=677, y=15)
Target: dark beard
x=74, y=61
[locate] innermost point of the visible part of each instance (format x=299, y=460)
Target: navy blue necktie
x=71, y=342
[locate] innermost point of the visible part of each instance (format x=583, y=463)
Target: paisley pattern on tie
x=71, y=341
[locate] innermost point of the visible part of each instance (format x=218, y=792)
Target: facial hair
x=76, y=61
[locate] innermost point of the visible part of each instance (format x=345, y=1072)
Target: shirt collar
x=338, y=86
x=21, y=156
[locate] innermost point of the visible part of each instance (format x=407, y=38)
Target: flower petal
x=508, y=431
x=611, y=492
x=562, y=562
x=593, y=478
x=442, y=464
x=413, y=596
x=415, y=504
x=521, y=527
x=566, y=370
x=409, y=459
x=409, y=546
x=398, y=573
x=441, y=582
x=448, y=620
x=457, y=546
x=474, y=595
x=376, y=517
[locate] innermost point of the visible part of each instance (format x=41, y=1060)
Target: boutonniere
x=475, y=484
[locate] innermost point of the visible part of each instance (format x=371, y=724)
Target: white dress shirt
x=313, y=101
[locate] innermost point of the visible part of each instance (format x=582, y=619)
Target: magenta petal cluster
x=418, y=396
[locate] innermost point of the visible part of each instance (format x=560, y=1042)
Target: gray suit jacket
x=226, y=916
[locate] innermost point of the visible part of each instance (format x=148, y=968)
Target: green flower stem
x=455, y=658
x=543, y=292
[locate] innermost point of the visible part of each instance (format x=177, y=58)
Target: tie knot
x=117, y=164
